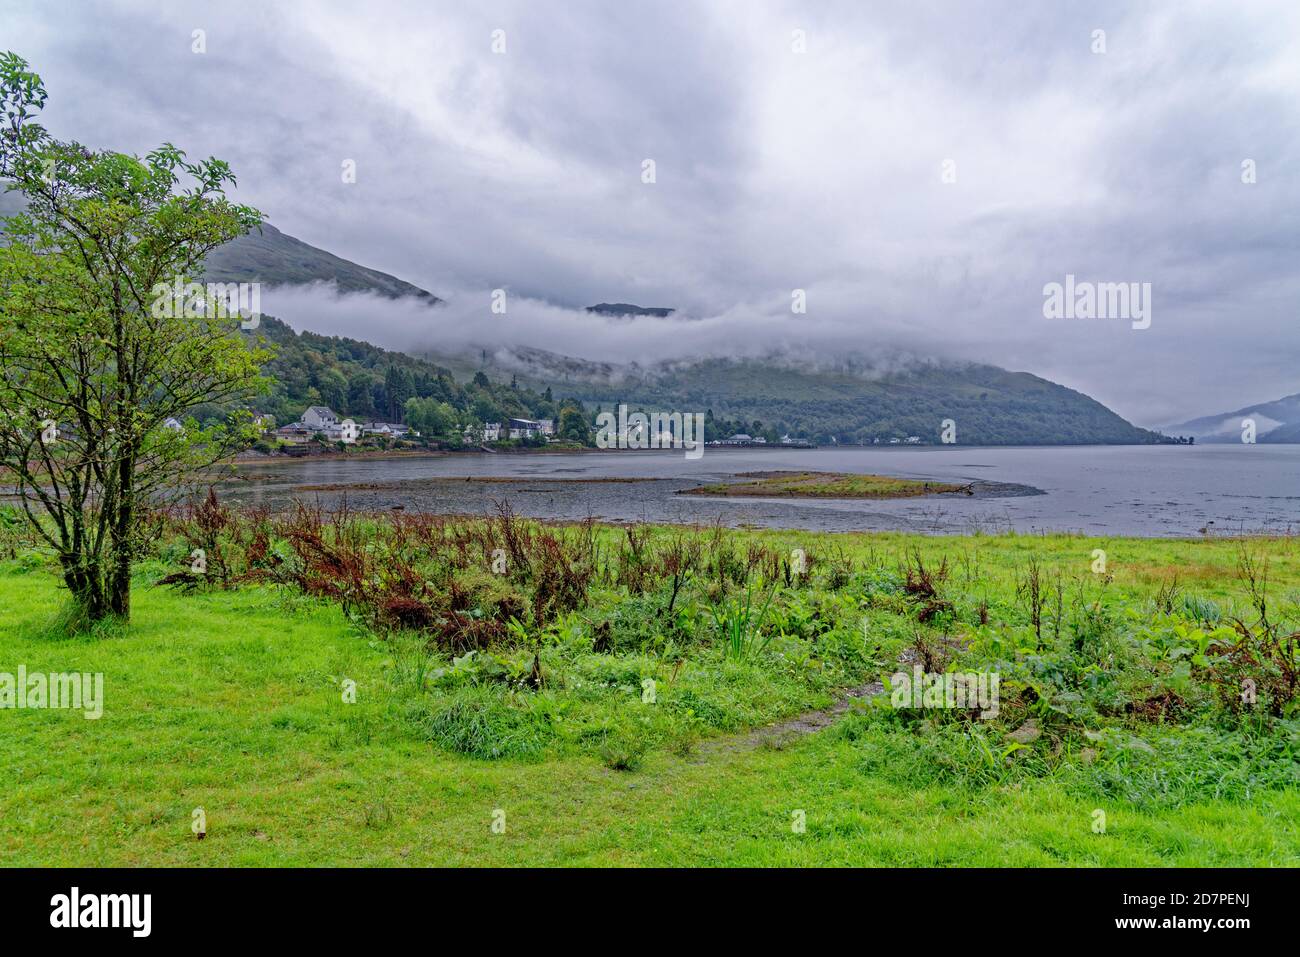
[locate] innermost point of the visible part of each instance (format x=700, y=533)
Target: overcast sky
x=775, y=170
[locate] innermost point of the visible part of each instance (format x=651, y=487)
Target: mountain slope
x=275, y=258
x=847, y=402
x=278, y=259
x=1275, y=422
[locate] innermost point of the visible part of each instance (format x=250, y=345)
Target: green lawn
x=230, y=701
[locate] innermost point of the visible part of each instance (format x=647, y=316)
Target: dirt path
x=786, y=732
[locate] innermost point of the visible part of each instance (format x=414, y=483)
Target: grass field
x=229, y=700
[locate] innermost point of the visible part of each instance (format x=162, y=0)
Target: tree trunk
x=86, y=583
x=119, y=588
x=121, y=542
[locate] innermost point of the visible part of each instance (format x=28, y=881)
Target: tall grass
x=740, y=626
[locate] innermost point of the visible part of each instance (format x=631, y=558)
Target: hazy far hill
x=628, y=309
x=1275, y=422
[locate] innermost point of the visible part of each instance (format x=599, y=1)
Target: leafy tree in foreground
x=94, y=359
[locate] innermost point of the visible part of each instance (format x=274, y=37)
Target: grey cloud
x=775, y=170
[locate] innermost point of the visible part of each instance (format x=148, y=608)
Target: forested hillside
x=366, y=382
x=989, y=406
x=847, y=403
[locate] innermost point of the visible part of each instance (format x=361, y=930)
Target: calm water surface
x=1098, y=490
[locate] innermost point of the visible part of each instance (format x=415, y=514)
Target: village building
x=392, y=430
x=525, y=428
x=295, y=433
x=319, y=417
x=345, y=431
x=319, y=420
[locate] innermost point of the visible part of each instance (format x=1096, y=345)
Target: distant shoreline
x=248, y=457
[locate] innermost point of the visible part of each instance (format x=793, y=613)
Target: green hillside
x=365, y=382
x=990, y=406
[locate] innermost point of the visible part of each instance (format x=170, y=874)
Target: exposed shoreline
x=1102, y=490
x=823, y=485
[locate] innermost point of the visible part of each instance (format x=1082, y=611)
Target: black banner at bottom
x=335, y=906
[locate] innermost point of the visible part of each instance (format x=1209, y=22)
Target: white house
x=318, y=418
x=546, y=426
x=324, y=420
x=475, y=434
x=345, y=432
